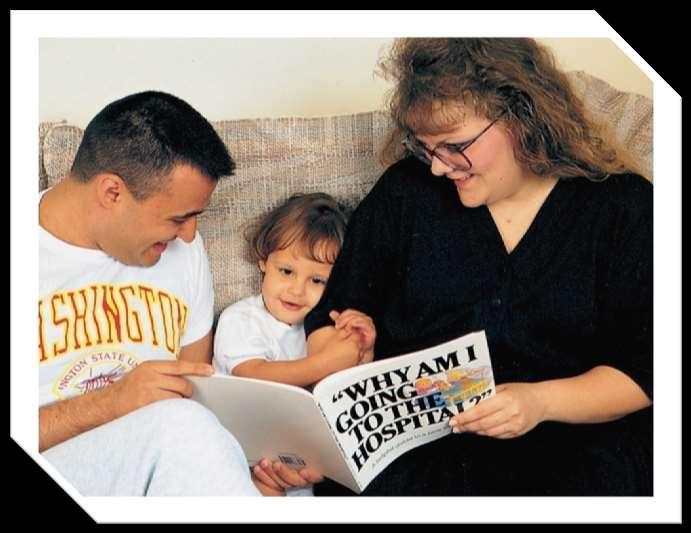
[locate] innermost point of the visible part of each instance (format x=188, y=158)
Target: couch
x=338, y=155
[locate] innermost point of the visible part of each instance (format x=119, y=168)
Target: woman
x=508, y=210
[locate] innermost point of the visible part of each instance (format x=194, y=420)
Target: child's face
x=293, y=283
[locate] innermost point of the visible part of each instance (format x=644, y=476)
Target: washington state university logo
x=93, y=371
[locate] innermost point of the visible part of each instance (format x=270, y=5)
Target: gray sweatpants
x=168, y=448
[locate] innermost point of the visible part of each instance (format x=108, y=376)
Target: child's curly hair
x=315, y=220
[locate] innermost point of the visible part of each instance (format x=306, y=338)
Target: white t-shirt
x=99, y=318
x=246, y=330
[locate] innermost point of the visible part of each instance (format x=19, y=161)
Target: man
x=126, y=310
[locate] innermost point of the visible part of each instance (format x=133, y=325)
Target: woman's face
x=494, y=176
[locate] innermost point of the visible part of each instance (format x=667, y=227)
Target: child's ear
x=262, y=265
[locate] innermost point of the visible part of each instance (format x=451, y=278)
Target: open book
x=357, y=421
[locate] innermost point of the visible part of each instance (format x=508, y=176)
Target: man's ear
x=110, y=189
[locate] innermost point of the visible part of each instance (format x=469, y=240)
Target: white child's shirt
x=246, y=330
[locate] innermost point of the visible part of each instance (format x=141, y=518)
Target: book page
x=385, y=408
x=273, y=420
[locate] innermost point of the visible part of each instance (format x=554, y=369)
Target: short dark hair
x=143, y=136
x=313, y=220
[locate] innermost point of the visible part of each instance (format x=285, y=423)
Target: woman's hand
x=514, y=410
x=274, y=478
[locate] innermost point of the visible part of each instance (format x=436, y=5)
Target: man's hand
x=353, y=321
x=149, y=382
x=152, y=381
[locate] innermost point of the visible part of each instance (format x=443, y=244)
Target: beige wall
x=250, y=78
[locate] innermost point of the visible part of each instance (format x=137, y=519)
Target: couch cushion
x=337, y=155
x=630, y=115
x=59, y=147
x=43, y=129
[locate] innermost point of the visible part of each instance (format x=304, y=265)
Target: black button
x=496, y=302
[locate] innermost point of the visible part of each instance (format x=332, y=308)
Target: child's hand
x=352, y=321
x=337, y=350
x=331, y=350
x=366, y=356
x=274, y=478
x=266, y=489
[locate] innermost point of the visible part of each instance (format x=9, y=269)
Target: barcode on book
x=291, y=460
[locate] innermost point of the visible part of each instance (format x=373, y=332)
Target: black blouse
x=575, y=293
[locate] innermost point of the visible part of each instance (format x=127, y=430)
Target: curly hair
x=437, y=80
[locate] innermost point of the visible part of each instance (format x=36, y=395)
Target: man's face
x=142, y=229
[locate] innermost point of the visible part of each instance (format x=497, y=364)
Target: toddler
x=262, y=337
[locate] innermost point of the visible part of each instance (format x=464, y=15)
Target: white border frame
x=28, y=26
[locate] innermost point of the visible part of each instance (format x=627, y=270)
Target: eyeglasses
x=452, y=155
